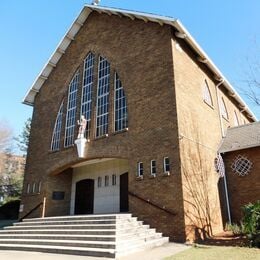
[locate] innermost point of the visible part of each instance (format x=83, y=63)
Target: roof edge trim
x=82, y=17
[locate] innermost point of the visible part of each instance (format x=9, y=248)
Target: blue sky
x=31, y=29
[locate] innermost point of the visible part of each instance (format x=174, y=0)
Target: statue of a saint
x=82, y=123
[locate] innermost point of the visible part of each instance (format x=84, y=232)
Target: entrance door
x=84, y=197
x=124, y=192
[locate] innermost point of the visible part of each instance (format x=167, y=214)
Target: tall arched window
x=102, y=106
x=236, y=121
x=55, y=143
x=71, y=111
x=87, y=90
x=223, y=109
x=121, y=118
x=207, y=95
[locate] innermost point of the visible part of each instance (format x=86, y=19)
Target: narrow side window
x=166, y=165
x=140, y=169
x=55, y=142
x=207, y=94
x=153, y=167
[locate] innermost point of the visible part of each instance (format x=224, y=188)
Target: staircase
x=110, y=235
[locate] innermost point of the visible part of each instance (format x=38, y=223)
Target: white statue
x=95, y=2
x=82, y=123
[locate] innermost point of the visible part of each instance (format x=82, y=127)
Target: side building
x=156, y=108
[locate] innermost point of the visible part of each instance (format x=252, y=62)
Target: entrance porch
x=99, y=186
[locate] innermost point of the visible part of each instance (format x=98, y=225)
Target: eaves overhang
x=146, y=17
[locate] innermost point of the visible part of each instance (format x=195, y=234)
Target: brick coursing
x=162, y=87
x=242, y=189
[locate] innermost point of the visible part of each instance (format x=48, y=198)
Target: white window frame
x=28, y=188
x=106, y=180
x=236, y=120
x=99, y=182
x=39, y=186
x=114, y=177
x=55, y=142
x=71, y=121
x=207, y=97
x=102, y=127
x=164, y=165
x=223, y=109
x=34, y=187
x=86, y=105
x=123, y=120
x=153, y=168
x=139, y=169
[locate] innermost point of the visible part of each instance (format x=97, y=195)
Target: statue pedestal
x=81, y=144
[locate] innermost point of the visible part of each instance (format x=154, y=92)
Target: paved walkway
x=157, y=253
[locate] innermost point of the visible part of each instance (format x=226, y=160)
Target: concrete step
x=87, y=229
x=124, y=250
x=131, y=239
x=60, y=237
x=98, y=252
x=67, y=222
x=68, y=243
x=76, y=226
x=81, y=217
x=112, y=238
x=61, y=231
x=94, y=235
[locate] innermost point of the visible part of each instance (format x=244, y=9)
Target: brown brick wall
x=151, y=70
x=147, y=76
x=200, y=134
x=242, y=190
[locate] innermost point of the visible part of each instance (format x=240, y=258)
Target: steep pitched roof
x=241, y=137
x=181, y=32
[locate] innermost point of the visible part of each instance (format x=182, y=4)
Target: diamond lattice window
x=241, y=165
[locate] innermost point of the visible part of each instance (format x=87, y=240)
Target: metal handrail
x=152, y=203
x=36, y=207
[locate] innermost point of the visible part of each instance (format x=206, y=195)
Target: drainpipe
x=227, y=198
x=219, y=113
x=223, y=134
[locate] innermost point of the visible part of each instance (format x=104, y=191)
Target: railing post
x=43, y=207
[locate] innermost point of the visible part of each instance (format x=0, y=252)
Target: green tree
x=23, y=139
x=11, y=177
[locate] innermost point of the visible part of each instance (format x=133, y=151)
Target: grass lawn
x=7, y=222
x=217, y=252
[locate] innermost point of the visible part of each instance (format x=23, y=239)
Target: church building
x=128, y=116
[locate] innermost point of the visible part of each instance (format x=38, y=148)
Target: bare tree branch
x=5, y=135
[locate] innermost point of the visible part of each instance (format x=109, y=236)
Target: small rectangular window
x=153, y=167
x=106, y=180
x=28, y=188
x=99, y=182
x=113, y=179
x=140, y=169
x=166, y=164
x=39, y=186
x=33, y=187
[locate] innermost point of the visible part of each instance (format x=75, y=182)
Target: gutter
x=203, y=57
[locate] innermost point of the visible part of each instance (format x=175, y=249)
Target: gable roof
x=241, y=137
x=181, y=32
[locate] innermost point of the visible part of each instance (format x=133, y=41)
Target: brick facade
x=242, y=189
x=167, y=117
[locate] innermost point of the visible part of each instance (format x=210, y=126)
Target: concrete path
x=157, y=253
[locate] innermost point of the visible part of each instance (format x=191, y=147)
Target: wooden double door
x=84, y=195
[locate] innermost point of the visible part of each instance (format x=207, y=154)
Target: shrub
x=250, y=223
x=236, y=229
